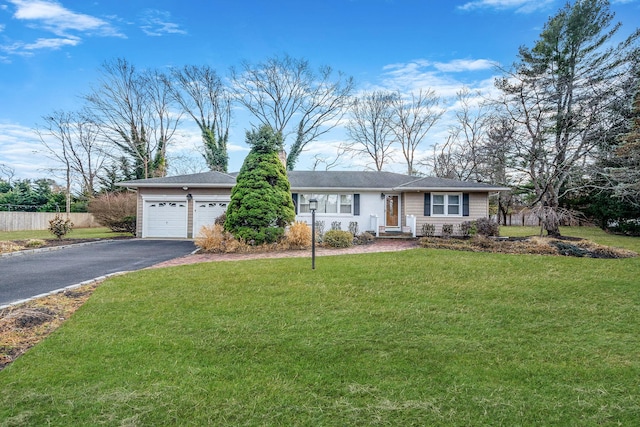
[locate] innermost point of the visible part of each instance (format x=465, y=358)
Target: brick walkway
x=385, y=245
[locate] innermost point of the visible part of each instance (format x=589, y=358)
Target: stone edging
x=66, y=288
x=51, y=248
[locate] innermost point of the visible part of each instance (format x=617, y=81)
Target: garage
x=206, y=211
x=165, y=218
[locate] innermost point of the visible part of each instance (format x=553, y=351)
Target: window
x=345, y=203
x=327, y=203
x=446, y=204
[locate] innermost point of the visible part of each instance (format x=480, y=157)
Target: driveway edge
x=51, y=248
x=66, y=288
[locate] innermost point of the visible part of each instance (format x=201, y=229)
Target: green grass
x=77, y=233
x=422, y=337
x=594, y=234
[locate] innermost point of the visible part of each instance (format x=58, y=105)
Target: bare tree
x=202, y=94
x=498, y=163
x=281, y=88
x=8, y=172
x=71, y=140
x=328, y=162
x=413, y=119
x=462, y=156
x=163, y=120
x=370, y=127
x=133, y=112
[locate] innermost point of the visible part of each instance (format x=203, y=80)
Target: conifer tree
x=261, y=205
x=559, y=98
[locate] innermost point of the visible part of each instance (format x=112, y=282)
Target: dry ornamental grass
x=23, y=326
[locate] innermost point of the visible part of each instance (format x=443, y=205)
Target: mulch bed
x=24, y=325
x=563, y=246
x=22, y=245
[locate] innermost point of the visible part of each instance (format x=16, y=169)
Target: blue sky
x=50, y=52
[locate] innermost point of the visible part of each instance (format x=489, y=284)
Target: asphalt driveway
x=24, y=276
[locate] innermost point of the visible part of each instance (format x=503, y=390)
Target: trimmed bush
x=487, y=227
x=338, y=239
x=34, y=243
x=364, y=238
x=447, y=230
x=60, y=227
x=428, y=230
x=467, y=228
x=221, y=219
x=567, y=249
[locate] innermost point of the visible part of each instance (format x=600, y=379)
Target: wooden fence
x=17, y=221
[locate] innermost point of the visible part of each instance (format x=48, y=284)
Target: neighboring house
x=178, y=206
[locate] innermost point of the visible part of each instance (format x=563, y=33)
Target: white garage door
x=206, y=212
x=165, y=219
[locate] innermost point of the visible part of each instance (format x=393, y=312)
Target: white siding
x=370, y=204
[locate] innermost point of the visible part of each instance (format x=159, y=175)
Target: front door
x=392, y=211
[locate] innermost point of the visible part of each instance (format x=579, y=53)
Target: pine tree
x=559, y=98
x=261, y=205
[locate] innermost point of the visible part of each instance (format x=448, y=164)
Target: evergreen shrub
x=338, y=239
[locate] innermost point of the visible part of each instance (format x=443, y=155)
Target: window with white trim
x=446, y=204
x=327, y=203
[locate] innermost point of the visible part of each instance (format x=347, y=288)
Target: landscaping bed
x=24, y=325
x=564, y=246
x=29, y=244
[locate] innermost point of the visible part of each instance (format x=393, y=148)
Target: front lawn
x=420, y=337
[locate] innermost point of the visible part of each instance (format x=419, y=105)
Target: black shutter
x=294, y=197
x=465, y=204
x=356, y=204
x=427, y=204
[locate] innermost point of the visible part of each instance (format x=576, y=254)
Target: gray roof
x=204, y=179
x=347, y=180
x=322, y=180
x=419, y=184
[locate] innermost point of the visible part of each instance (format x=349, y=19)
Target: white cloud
x=521, y=6
x=68, y=26
x=53, y=17
x=461, y=65
x=157, y=23
x=21, y=151
x=52, y=44
x=445, y=78
x=27, y=49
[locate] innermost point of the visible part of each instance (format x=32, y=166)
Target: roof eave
x=324, y=189
x=174, y=185
x=467, y=189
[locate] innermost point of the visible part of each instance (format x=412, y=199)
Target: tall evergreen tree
x=625, y=177
x=559, y=97
x=261, y=205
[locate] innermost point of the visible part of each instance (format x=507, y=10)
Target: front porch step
x=395, y=235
